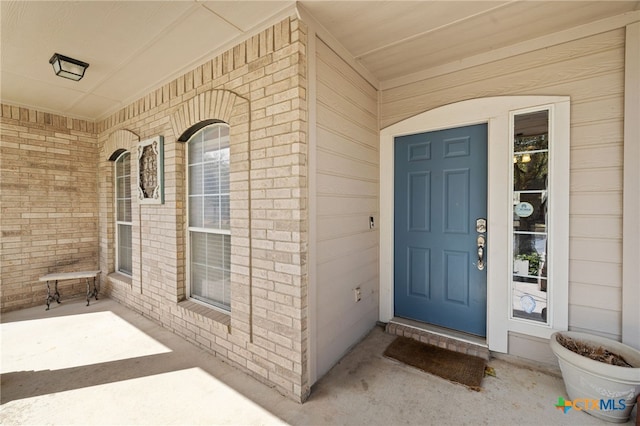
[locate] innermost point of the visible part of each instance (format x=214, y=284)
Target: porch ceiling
x=134, y=47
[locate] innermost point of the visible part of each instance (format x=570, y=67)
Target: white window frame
x=557, y=224
x=118, y=222
x=189, y=229
x=550, y=285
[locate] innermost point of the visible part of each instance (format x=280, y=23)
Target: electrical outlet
x=357, y=293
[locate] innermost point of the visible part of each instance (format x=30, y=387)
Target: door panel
x=456, y=279
x=419, y=201
x=456, y=201
x=419, y=271
x=440, y=191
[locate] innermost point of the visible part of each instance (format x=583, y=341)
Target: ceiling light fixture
x=66, y=67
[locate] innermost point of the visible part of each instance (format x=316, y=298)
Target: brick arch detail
x=214, y=104
x=116, y=141
x=119, y=139
x=234, y=110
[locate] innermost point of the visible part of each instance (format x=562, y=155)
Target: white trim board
x=494, y=111
x=312, y=290
x=631, y=196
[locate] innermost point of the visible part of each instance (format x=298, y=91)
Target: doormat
x=453, y=366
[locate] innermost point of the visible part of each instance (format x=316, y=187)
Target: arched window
x=209, y=234
x=123, y=213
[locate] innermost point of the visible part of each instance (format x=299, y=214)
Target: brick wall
x=57, y=184
x=259, y=89
x=49, y=203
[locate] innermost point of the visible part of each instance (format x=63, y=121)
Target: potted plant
x=598, y=369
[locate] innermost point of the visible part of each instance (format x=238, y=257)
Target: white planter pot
x=585, y=378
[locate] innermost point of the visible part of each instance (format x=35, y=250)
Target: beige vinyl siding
x=591, y=72
x=347, y=176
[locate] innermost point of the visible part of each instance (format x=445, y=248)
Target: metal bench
x=61, y=276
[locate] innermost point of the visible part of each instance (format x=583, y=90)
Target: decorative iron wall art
x=151, y=171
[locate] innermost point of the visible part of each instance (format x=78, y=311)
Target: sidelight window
x=531, y=207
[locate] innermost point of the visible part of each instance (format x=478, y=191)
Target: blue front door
x=440, y=192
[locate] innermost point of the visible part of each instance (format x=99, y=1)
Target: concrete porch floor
x=105, y=364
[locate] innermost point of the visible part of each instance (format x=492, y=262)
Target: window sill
x=119, y=278
x=221, y=320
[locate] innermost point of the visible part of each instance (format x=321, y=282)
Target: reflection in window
x=209, y=216
x=530, y=215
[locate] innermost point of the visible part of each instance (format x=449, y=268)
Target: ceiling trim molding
x=581, y=31
x=323, y=34
x=60, y=112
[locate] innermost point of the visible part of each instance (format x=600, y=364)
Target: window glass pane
x=195, y=179
x=211, y=210
x=119, y=184
x=199, y=248
x=225, y=219
x=530, y=171
x=224, y=171
x=120, y=210
x=215, y=285
x=530, y=212
x=215, y=250
x=530, y=143
x=195, y=149
x=195, y=211
x=198, y=280
x=127, y=210
x=126, y=186
x=529, y=301
x=119, y=167
x=212, y=133
x=211, y=142
x=211, y=178
x=124, y=249
x=126, y=176
x=210, y=268
x=531, y=131
x=529, y=254
x=123, y=213
x=123, y=188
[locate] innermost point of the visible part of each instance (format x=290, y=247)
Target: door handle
x=481, y=243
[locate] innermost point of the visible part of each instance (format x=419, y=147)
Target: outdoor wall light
x=66, y=67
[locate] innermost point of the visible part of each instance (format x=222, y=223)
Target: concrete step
x=443, y=338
